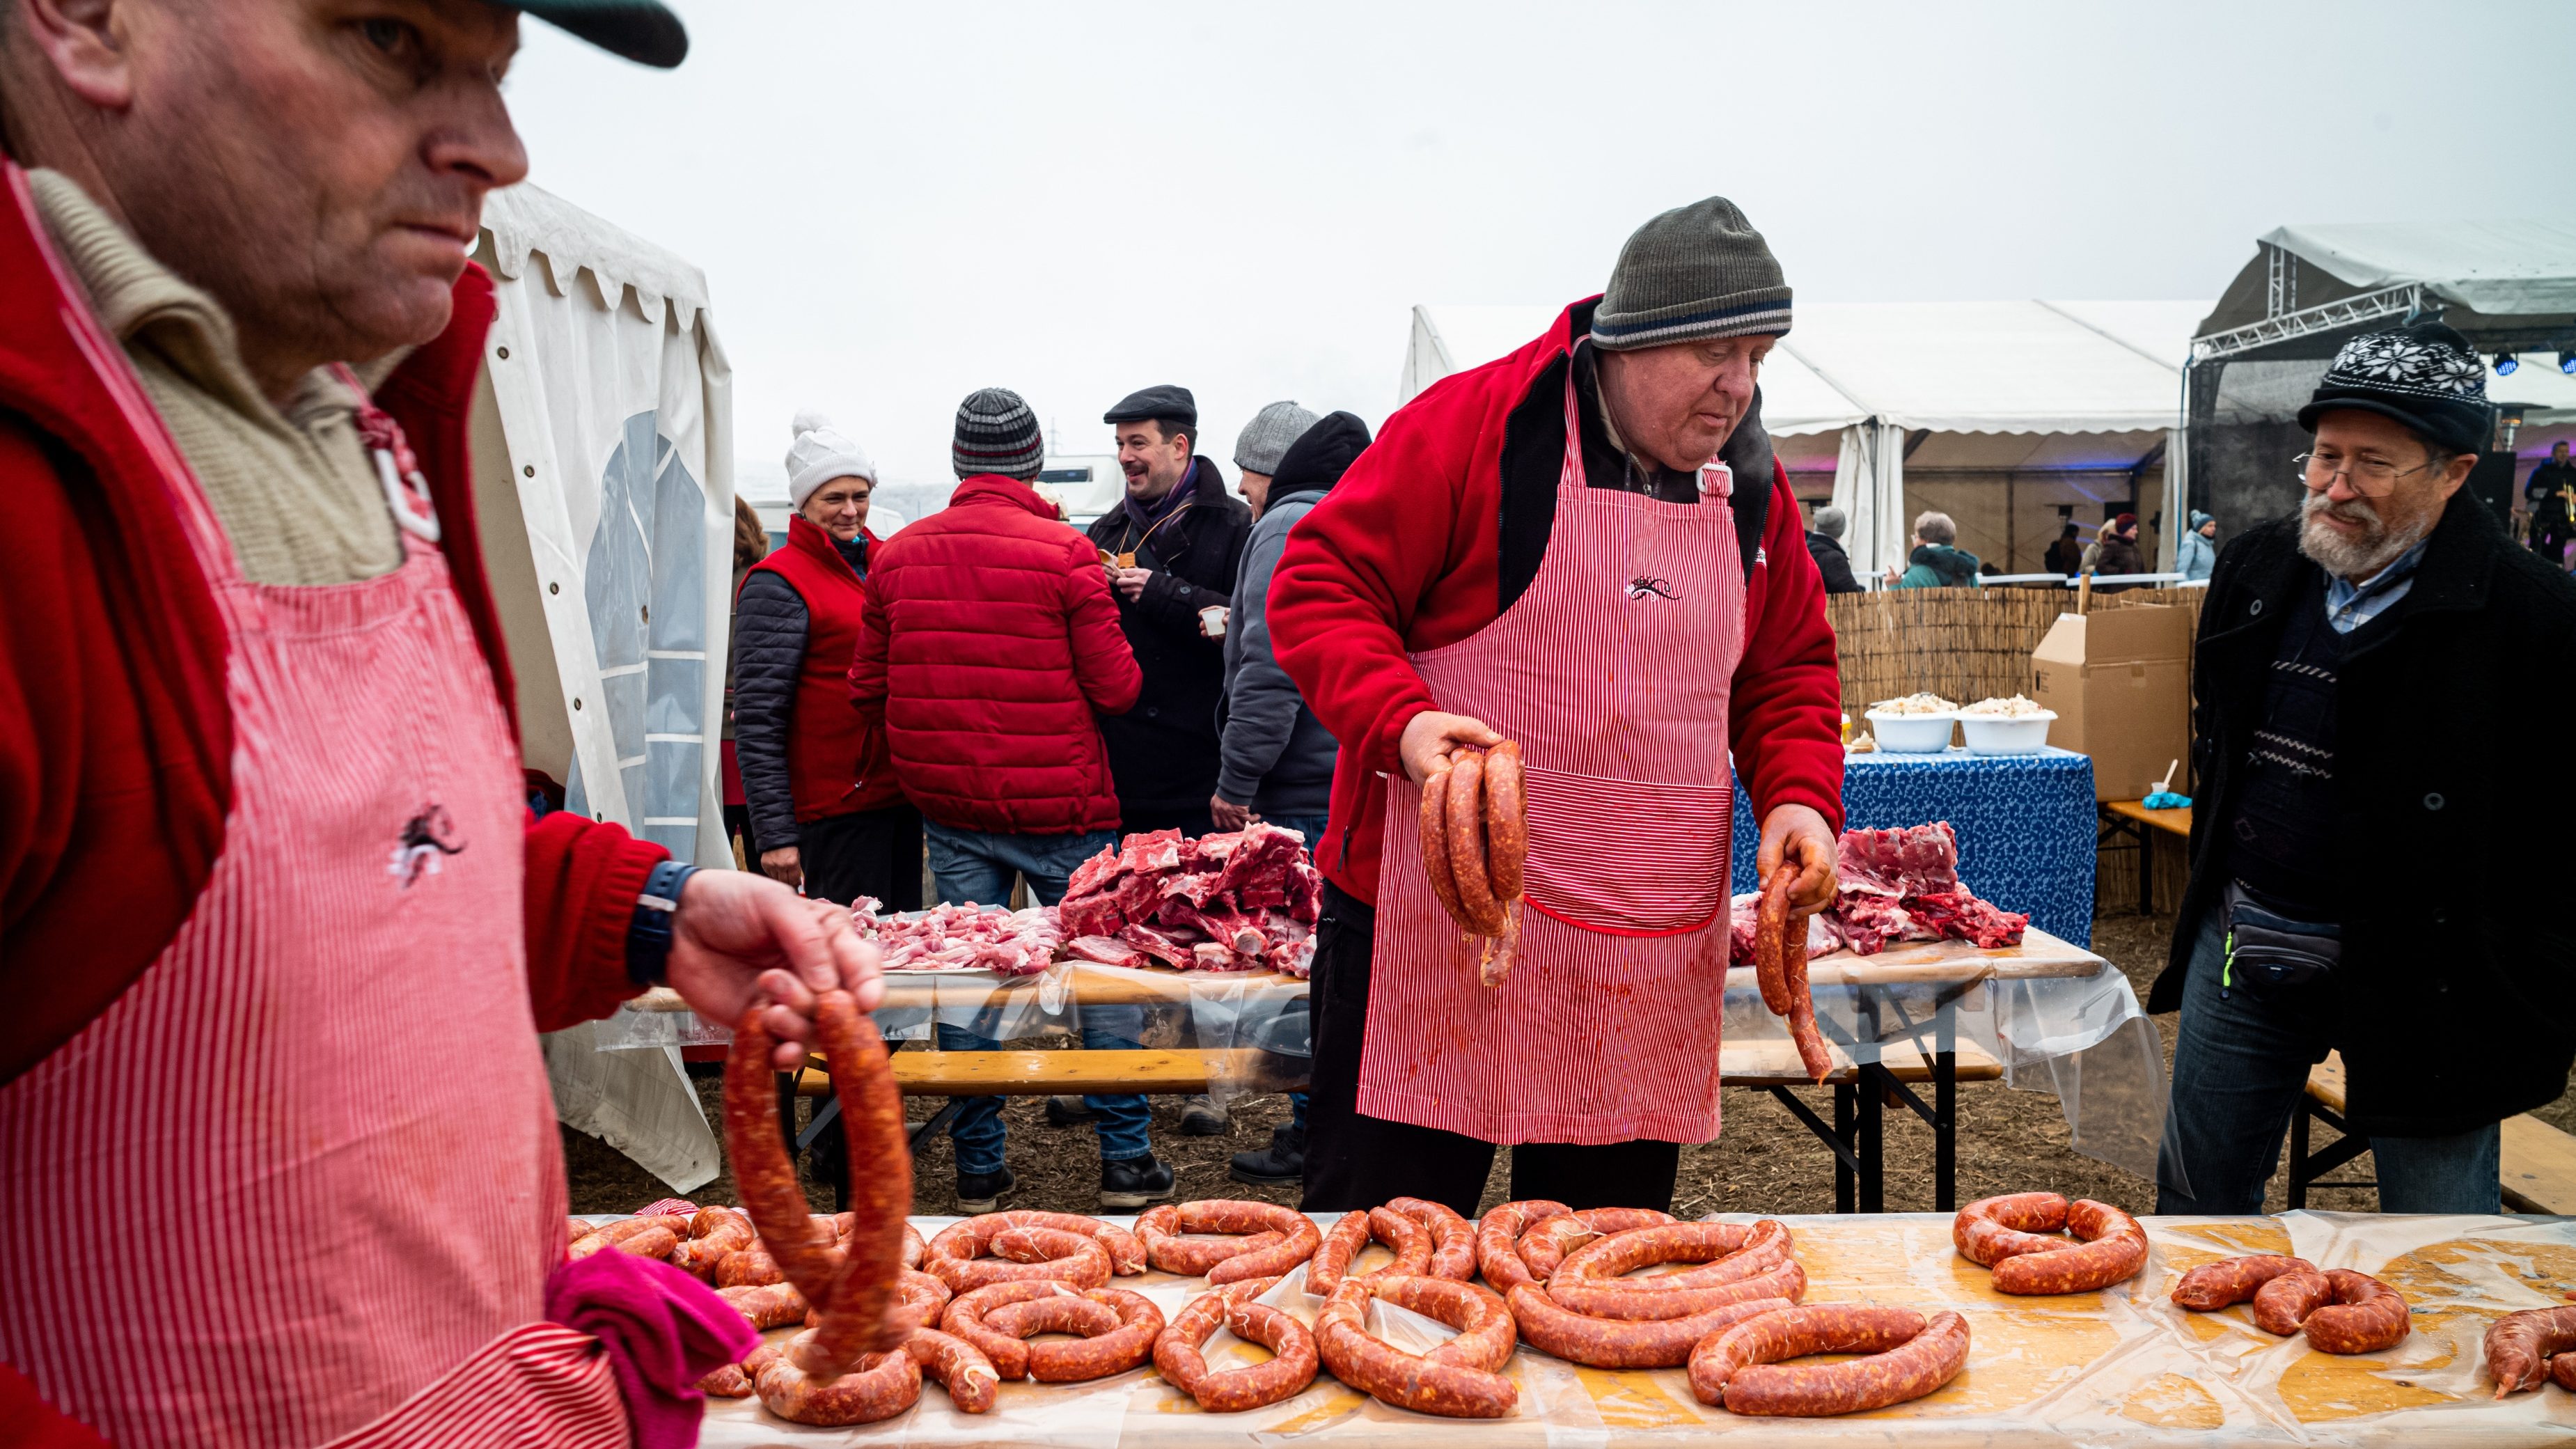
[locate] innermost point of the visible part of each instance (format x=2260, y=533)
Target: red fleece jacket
x=115, y=735
x=1404, y=555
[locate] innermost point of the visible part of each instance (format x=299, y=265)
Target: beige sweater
x=295, y=490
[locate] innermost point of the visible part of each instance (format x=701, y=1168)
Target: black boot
x=1283, y=1161
x=977, y=1192
x=1132, y=1182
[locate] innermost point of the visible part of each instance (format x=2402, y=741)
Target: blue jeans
x=2240, y=1067
x=976, y=865
x=1311, y=827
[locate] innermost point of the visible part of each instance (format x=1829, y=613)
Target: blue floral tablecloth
x=2025, y=824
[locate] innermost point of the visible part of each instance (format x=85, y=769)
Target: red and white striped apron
x=1612, y=670
x=300, y=1184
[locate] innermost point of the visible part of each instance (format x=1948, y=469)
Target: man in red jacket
x=271, y=903
x=1586, y=547
x=989, y=649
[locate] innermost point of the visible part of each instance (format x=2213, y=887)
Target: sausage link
x=1506, y=820
x=768, y=1305
x=1333, y=1258
x=627, y=1231
x=2113, y=1251
x=1494, y=965
x=2520, y=1346
x=1408, y=1240
x=2213, y=1286
x=863, y=1314
x=958, y=1366
x=914, y=1249
x=655, y=1242
x=1551, y=1327
x=716, y=1233
x=1498, y=1235
x=1120, y=1348
x=726, y=1381
x=1126, y=1250
x=1726, y=1253
x=2562, y=1370
x=1454, y=1255
x=1813, y=1054
x=2285, y=1302
x=1053, y=1255
x=1545, y=1246
x=876, y=1386
x=1079, y=1316
x=1276, y=1238
x=1906, y=1358
x=1486, y=1333
x=750, y=1268
x=762, y=1174
x=1629, y=1302
x=1251, y=1386
x=1434, y=834
x=1770, y=940
x=2365, y=1317
x=1390, y=1375
x=1484, y=913
x=1992, y=1229
x=964, y=1317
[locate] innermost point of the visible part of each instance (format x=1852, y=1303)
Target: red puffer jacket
x=990, y=641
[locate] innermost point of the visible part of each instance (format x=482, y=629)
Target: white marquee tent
x=603, y=471
x=2000, y=412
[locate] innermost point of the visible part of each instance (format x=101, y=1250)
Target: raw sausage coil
x=2365, y=1316
x=1770, y=939
x=1270, y=1240
x=876, y=1386
x=769, y=1305
x=1118, y=1329
x=2285, y=1302
x=957, y=1366
x=1726, y=1253
x=1410, y=1241
x=1178, y=1358
x=1506, y=820
x=1126, y=1250
x=1813, y=1054
x=1483, y=912
x=1551, y=1327
x=2521, y=1346
x=2009, y=1234
x=1580, y=1285
x=1453, y=1254
x=1905, y=1358
x=2230, y=1281
x=1434, y=832
x=641, y=1237
x=715, y=1234
x=1324, y=1271
x=1498, y=1235
x=1543, y=1247
x=1438, y=1382
x=750, y=1268
x=1019, y=1254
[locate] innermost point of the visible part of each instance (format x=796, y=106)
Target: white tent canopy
x=2500, y=268
x=1945, y=387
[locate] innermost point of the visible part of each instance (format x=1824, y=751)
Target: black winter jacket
x=1833, y=563
x=2452, y=1006
x=769, y=620
x=1163, y=753
x=1277, y=757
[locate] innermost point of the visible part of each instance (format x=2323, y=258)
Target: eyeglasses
x=2366, y=476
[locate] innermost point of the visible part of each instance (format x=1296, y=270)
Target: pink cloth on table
x=663, y=1329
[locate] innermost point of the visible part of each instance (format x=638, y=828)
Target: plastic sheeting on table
x=2025, y=825
x=2118, y=1368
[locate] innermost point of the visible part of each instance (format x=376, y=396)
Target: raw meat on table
x=990, y=938
x=1903, y=885
x=1240, y=900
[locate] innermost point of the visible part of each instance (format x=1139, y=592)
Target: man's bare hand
x=739, y=938
x=1130, y=582
x=1431, y=737
x=1228, y=815
x=1797, y=834
x=785, y=866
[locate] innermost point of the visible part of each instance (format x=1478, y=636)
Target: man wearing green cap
x=277, y=930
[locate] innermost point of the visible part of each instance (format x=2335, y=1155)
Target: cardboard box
x=2120, y=682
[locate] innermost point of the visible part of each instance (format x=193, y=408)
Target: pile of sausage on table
x=973, y=1299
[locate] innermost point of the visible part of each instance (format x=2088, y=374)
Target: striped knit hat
x=1695, y=272
x=996, y=433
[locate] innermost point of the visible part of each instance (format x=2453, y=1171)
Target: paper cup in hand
x=1212, y=620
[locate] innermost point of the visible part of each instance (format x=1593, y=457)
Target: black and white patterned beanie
x=996, y=433
x=2424, y=375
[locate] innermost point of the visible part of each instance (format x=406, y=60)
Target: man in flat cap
x=2368, y=873
x=1587, y=547
x=271, y=899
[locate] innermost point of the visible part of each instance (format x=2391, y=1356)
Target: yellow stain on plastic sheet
x=2322, y=1387
x=1341, y=1404
x=2015, y=1358
x=2171, y=1401
x=2548, y=1269
x=1632, y=1400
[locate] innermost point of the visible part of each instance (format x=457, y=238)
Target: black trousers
x=871, y=853
x=1359, y=1162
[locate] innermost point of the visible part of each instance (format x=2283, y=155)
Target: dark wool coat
x=2452, y=1005
x=1164, y=752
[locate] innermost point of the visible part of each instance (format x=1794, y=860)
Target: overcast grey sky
x=897, y=204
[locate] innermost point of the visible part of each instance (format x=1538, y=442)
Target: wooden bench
x=2538, y=1169
x=2132, y=820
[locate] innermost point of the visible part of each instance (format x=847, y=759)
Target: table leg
x=1872, y=1143
x=1844, y=1199
x=1945, y=1114
x=2146, y=872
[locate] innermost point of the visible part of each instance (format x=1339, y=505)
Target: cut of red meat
x=1960, y=916
x=1249, y=896
x=1096, y=874
x=1154, y=943
x=1871, y=921
x=1095, y=916
x=1157, y=850
x=1107, y=950
x=1916, y=860
x=1305, y=893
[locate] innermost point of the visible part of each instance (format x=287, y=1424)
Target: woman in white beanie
x=825, y=807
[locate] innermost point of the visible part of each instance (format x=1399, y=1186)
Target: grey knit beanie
x=996, y=433
x=1830, y=521
x=1265, y=439
x=1696, y=271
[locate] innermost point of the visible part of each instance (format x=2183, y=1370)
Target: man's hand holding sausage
x=738, y=937
x=1798, y=835
x=1431, y=737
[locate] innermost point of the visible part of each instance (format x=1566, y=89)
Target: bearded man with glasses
x=2367, y=874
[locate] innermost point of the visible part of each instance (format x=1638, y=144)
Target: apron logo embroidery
x=425, y=837
x=1640, y=586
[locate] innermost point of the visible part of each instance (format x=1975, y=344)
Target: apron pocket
x=1627, y=856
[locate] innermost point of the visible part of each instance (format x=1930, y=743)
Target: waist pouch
x=2269, y=954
